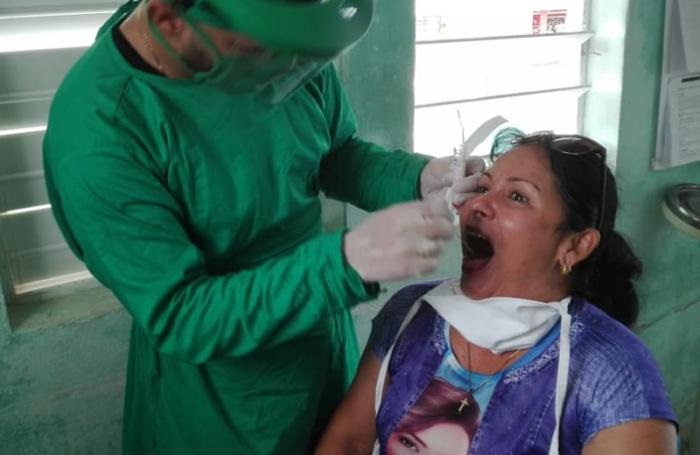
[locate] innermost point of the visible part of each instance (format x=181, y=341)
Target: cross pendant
x=462, y=404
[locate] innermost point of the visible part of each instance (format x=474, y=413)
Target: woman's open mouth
x=477, y=250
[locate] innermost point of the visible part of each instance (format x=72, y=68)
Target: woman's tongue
x=477, y=252
x=474, y=265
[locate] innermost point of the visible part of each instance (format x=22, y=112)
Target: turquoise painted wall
x=378, y=77
x=670, y=288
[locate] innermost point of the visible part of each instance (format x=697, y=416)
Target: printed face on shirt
x=511, y=230
x=440, y=439
x=441, y=422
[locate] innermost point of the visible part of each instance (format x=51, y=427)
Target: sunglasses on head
x=577, y=145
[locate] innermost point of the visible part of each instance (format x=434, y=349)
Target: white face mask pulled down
x=499, y=324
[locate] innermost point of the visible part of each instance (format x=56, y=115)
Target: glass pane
x=36, y=248
x=23, y=112
x=455, y=19
x=21, y=172
x=30, y=231
x=12, y=6
x=38, y=71
x=465, y=70
x=50, y=31
x=20, y=153
x=437, y=129
x=33, y=266
x=22, y=192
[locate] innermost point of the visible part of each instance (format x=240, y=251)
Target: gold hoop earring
x=565, y=269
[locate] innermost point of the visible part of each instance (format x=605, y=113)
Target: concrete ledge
x=69, y=304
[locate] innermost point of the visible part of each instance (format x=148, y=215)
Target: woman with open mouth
x=532, y=341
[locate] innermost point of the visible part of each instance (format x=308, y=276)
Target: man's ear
x=166, y=18
x=578, y=246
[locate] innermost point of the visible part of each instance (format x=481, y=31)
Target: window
x=522, y=59
x=39, y=41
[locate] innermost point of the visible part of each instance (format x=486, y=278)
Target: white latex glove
x=400, y=242
x=440, y=174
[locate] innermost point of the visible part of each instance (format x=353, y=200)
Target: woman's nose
x=482, y=205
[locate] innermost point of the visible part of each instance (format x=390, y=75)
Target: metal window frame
x=583, y=87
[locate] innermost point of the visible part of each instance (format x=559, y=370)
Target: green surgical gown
x=200, y=211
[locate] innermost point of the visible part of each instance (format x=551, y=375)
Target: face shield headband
x=272, y=75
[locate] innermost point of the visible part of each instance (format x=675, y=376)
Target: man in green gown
x=184, y=157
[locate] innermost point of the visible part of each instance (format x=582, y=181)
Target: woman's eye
x=517, y=197
x=482, y=189
x=406, y=442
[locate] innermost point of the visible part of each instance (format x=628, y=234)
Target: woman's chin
x=475, y=277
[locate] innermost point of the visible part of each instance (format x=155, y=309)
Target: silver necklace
x=473, y=389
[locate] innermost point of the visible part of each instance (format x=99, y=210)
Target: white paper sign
x=678, y=130
x=684, y=116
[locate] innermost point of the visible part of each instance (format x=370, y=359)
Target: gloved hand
x=400, y=242
x=439, y=175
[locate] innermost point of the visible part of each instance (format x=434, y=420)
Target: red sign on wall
x=549, y=21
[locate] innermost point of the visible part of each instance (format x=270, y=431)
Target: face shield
x=296, y=39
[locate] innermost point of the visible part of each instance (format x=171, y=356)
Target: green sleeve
x=129, y=230
x=359, y=172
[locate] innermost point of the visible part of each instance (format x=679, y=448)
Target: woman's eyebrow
x=516, y=179
x=520, y=179
x=419, y=440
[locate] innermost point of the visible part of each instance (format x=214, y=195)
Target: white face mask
x=498, y=323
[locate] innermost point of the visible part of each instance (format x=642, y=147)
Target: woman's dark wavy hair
x=606, y=278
